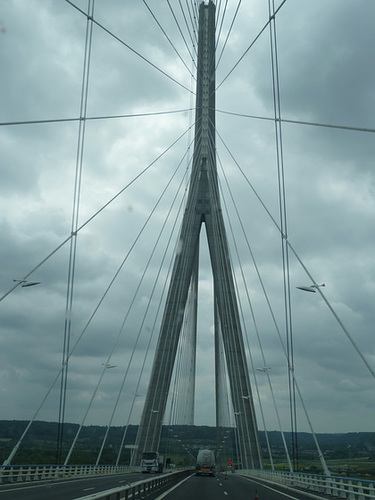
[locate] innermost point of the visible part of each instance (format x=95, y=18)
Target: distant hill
x=39, y=445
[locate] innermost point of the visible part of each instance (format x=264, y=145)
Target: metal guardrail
x=26, y=473
x=139, y=489
x=335, y=486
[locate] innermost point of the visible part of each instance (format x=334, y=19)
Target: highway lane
x=222, y=487
x=66, y=489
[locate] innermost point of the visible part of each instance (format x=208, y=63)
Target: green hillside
x=343, y=452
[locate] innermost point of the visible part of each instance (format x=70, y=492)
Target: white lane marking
x=88, y=489
x=225, y=493
x=279, y=491
x=173, y=488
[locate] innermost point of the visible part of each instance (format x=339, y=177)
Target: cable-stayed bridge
x=112, y=311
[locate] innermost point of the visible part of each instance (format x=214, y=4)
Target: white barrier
x=340, y=487
x=26, y=473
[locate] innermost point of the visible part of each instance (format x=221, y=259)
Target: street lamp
x=26, y=283
x=311, y=288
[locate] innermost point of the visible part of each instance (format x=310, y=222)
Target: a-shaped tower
x=202, y=209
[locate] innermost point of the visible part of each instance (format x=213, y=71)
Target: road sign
x=230, y=462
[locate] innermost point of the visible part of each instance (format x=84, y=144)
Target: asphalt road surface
x=67, y=489
x=222, y=487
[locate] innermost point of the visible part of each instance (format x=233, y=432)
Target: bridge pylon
x=202, y=208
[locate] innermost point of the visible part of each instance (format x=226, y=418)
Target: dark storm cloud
x=326, y=76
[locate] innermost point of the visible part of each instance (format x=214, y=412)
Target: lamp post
x=26, y=283
x=310, y=288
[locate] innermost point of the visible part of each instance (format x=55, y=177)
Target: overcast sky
x=327, y=76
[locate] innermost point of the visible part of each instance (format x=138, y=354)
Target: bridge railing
x=139, y=489
x=26, y=473
x=335, y=486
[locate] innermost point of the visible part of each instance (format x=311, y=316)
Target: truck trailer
x=205, y=463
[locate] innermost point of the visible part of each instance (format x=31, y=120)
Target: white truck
x=152, y=462
x=205, y=463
